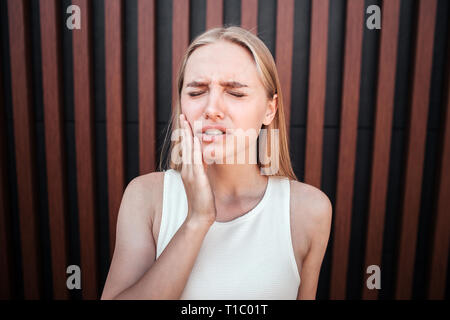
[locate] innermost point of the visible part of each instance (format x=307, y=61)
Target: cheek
x=191, y=110
x=247, y=117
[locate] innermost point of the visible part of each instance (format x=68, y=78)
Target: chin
x=210, y=154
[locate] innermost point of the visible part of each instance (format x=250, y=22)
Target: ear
x=271, y=110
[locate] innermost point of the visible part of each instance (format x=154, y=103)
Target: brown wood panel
x=54, y=148
x=5, y=220
x=214, y=13
x=440, y=237
x=316, y=94
x=415, y=153
x=84, y=146
x=114, y=111
x=146, y=89
x=347, y=147
x=382, y=137
x=249, y=15
x=284, y=51
x=180, y=39
x=24, y=146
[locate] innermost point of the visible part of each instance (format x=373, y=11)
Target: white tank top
x=250, y=257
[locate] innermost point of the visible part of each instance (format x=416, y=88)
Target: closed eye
x=237, y=94
x=197, y=93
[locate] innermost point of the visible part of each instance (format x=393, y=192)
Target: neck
x=231, y=181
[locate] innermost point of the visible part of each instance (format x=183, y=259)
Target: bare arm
x=134, y=273
x=319, y=211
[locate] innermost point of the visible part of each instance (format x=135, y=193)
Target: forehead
x=222, y=61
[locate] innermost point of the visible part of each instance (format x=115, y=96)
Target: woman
x=211, y=228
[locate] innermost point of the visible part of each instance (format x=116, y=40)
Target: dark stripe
x=440, y=244
x=415, y=147
x=54, y=138
x=100, y=157
x=347, y=147
x=428, y=218
x=6, y=260
x=364, y=145
x=197, y=18
x=232, y=12
x=114, y=111
x=130, y=83
x=335, y=48
x=84, y=140
x=382, y=138
x=17, y=274
x=25, y=149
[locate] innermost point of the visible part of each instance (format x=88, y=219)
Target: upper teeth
x=213, y=132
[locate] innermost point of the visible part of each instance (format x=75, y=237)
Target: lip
x=208, y=138
x=211, y=138
x=218, y=127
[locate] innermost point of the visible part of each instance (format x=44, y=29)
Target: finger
x=184, y=154
x=198, y=159
x=198, y=154
x=189, y=142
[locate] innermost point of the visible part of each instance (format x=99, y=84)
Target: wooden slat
x=24, y=146
x=316, y=95
x=54, y=148
x=214, y=13
x=5, y=227
x=84, y=144
x=416, y=148
x=347, y=147
x=440, y=241
x=382, y=137
x=114, y=111
x=249, y=15
x=180, y=39
x=146, y=79
x=284, y=51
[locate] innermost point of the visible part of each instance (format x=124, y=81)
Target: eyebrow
x=228, y=84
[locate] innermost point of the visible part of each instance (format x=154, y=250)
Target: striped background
x=83, y=112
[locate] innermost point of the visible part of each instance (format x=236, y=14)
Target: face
x=223, y=98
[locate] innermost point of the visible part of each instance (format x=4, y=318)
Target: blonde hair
x=267, y=70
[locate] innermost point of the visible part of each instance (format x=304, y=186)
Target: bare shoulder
x=150, y=180
x=310, y=200
x=145, y=192
x=311, y=212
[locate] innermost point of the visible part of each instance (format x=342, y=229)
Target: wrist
x=198, y=224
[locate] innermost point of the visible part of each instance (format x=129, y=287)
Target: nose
x=214, y=108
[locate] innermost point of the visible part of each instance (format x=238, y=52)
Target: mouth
x=213, y=132
x=209, y=134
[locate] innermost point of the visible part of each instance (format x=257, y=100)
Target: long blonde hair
x=267, y=70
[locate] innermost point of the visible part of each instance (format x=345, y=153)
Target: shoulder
x=146, y=184
x=144, y=193
x=149, y=180
x=305, y=197
x=311, y=210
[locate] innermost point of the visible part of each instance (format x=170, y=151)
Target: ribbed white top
x=250, y=257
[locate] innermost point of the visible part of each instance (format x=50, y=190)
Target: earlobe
x=269, y=117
